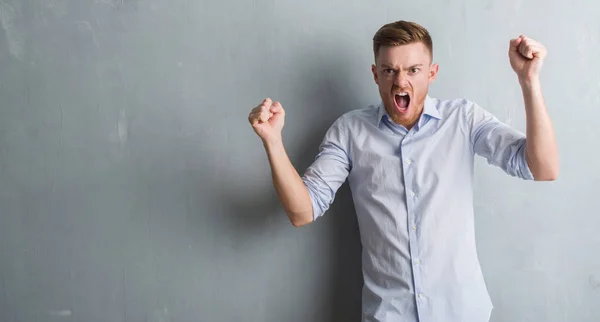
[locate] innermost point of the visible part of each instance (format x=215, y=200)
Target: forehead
x=404, y=55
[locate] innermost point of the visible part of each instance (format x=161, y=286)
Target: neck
x=408, y=124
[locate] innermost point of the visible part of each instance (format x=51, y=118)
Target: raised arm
x=308, y=197
x=526, y=58
x=267, y=120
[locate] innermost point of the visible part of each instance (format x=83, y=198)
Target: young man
x=409, y=163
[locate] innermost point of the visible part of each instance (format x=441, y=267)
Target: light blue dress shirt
x=413, y=195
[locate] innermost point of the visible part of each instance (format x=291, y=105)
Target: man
x=409, y=163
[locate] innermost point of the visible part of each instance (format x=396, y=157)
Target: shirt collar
x=429, y=109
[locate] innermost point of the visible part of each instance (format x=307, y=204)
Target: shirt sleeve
x=500, y=144
x=329, y=170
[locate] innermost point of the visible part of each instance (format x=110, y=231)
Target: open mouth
x=402, y=101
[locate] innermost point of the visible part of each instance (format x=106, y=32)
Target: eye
x=388, y=71
x=414, y=70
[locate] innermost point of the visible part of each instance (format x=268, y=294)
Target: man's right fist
x=267, y=120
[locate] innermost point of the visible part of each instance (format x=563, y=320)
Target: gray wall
x=133, y=189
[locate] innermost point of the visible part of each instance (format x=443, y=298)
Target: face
x=403, y=74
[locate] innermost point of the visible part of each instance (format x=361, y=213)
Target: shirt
x=413, y=196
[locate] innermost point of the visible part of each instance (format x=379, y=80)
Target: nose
x=401, y=80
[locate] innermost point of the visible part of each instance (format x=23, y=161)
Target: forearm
x=542, y=150
x=289, y=186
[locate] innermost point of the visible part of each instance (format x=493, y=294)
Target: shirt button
x=412, y=193
x=420, y=295
x=408, y=161
x=414, y=227
x=417, y=262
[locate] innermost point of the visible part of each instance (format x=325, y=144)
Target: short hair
x=400, y=33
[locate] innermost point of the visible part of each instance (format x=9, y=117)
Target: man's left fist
x=526, y=57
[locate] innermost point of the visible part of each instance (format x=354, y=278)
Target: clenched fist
x=526, y=57
x=267, y=120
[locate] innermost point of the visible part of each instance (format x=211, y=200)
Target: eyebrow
x=411, y=67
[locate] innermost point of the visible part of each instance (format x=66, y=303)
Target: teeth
x=402, y=94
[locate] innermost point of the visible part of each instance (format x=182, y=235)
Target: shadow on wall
x=326, y=90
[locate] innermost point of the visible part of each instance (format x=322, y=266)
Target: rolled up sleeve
x=500, y=144
x=329, y=170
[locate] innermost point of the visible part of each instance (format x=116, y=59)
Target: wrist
x=530, y=83
x=273, y=142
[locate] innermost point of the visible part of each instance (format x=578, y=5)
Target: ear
x=433, y=71
x=374, y=70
